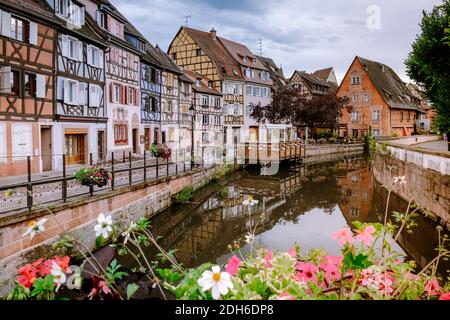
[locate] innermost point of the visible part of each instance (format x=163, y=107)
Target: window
x=217, y=102
x=14, y=82
x=235, y=89
x=101, y=21
x=169, y=106
x=174, y=56
x=61, y=7
x=205, y=137
x=355, y=178
x=71, y=92
x=94, y=56
x=120, y=134
x=210, y=84
x=356, y=80
x=401, y=116
x=116, y=93
x=217, y=120
x=76, y=14
x=198, y=82
x=205, y=119
x=408, y=117
x=376, y=132
x=237, y=110
x=19, y=29
x=354, y=212
x=248, y=90
x=94, y=95
x=204, y=101
x=249, y=110
x=355, y=98
x=249, y=73
x=265, y=76
x=256, y=91
x=198, y=52
x=171, y=134
x=376, y=115
x=355, y=116
x=30, y=85
x=73, y=48
x=366, y=97
x=264, y=92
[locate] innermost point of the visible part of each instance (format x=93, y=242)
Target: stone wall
x=79, y=218
x=431, y=189
x=326, y=149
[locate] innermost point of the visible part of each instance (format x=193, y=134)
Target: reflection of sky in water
x=312, y=230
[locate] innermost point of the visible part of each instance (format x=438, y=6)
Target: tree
x=429, y=62
x=289, y=105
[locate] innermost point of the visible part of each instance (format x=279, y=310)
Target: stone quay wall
x=327, y=149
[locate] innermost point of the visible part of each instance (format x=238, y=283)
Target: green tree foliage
x=429, y=62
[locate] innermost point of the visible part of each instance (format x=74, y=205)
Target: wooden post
x=129, y=168
x=112, y=170
x=145, y=166
x=29, y=185
x=64, y=182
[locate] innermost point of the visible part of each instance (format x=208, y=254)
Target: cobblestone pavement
x=434, y=145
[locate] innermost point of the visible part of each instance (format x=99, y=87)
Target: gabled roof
x=276, y=73
x=239, y=52
x=311, y=78
x=166, y=61
x=392, y=89
x=203, y=88
x=226, y=66
x=323, y=73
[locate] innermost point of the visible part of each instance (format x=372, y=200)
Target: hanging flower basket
x=93, y=176
x=161, y=151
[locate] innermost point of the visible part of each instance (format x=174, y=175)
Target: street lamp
x=192, y=113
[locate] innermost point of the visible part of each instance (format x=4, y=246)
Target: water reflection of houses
x=354, y=181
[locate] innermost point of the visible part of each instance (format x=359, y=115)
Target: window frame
x=25, y=29
x=31, y=93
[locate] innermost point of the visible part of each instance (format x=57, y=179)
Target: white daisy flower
x=103, y=227
x=59, y=277
x=218, y=282
x=35, y=227
x=249, y=238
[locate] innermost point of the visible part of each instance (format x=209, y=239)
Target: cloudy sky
x=297, y=34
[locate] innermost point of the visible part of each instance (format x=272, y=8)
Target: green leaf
x=131, y=290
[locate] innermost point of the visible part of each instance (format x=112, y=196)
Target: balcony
x=234, y=119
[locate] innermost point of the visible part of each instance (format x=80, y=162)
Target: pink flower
x=233, y=265
x=285, y=296
x=336, y=260
x=432, y=287
x=445, y=296
x=366, y=236
x=268, y=259
x=344, y=236
x=307, y=272
x=292, y=252
x=331, y=268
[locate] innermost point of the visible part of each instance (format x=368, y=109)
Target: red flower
x=445, y=296
x=28, y=275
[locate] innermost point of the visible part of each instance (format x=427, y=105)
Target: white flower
x=35, y=227
x=250, y=201
x=127, y=233
x=401, y=180
x=59, y=277
x=249, y=238
x=103, y=227
x=218, y=282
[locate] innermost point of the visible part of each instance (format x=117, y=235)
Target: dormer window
x=61, y=7
x=265, y=76
x=71, y=11
x=245, y=59
x=224, y=71
x=356, y=80
x=198, y=82
x=198, y=52
x=210, y=84
x=249, y=73
x=101, y=20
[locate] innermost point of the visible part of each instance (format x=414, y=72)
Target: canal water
x=302, y=204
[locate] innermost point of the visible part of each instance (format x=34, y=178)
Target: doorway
x=75, y=149
x=147, y=139
x=101, y=145
x=135, y=141
x=253, y=134
x=156, y=136
x=46, y=148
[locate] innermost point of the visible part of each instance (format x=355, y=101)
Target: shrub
x=186, y=194
x=93, y=175
x=161, y=151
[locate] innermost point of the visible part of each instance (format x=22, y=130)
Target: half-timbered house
x=208, y=128
x=202, y=52
x=80, y=113
x=27, y=44
x=122, y=85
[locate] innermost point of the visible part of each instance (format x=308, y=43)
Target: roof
x=203, y=88
x=324, y=73
x=311, y=78
x=225, y=64
x=166, y=61
x=392, y=89
x=276, y=73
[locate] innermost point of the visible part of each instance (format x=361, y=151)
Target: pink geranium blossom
x=292, y=252
x=331, y=268
x=233, y=265
x=268, y=259
x=306, y=272
x=366, y=235
x=432, y=287
x=344, y=236
x=445, y=296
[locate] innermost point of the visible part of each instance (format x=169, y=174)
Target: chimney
x=213, y=34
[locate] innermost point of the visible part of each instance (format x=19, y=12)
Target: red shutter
x=136, y=97
x=124, y=94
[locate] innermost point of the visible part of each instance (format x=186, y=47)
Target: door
x=101, y=145
x=156, y=136
x=75, y=149
x=135, y=140
x=147, y=138
x=46, y=148
x=253, y=134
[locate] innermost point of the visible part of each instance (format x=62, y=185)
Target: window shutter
x=5, y=79
x=89, y=54
x=80, y=51
x=40, y=86
x=136, y=97
x=60, y=88
x=2, y=142
x=81, y=94
x=111, y=93
x=124, y=94
x=6, y=24
x=33, y=33
x=101, y=59
x=64, y=45
x=82, y=16
x=22, y=140
x=66, y=91
x=93, y=95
